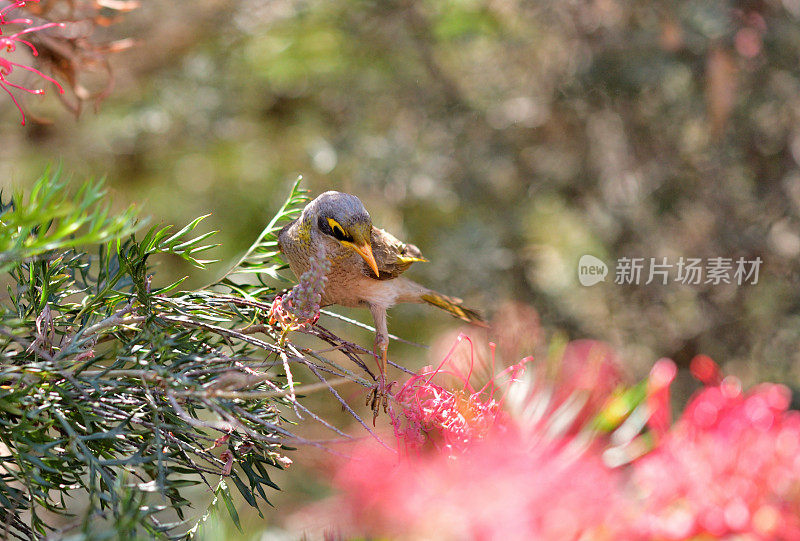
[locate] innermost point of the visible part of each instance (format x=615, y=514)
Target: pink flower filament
x=449, y=419
x=9, y=43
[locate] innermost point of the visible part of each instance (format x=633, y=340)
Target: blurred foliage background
x=506, y=138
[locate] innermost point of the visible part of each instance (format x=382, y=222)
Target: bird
x=366, y=266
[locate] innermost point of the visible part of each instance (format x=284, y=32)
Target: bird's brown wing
x=392, y=255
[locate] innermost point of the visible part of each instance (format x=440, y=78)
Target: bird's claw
x=378, y=397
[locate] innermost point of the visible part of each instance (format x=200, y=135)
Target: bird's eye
x=338, y=230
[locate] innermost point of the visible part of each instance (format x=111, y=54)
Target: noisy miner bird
x=366, y=264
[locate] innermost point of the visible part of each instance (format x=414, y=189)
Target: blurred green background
x=506, y=138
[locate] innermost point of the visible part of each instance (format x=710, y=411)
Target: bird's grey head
x=340, y=215
x=343, y=217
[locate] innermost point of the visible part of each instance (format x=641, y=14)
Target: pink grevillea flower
x=658, y=386
x=586, y=373
x=8, y=44
x=450, y=420
x=576, y=379
x=729, y=467
x=441, y=407
x=502, y=487
x=467, y=469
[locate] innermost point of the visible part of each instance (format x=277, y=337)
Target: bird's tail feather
x=453, y=306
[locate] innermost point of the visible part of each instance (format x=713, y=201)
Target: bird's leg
x=379, y=396
x=382, y=353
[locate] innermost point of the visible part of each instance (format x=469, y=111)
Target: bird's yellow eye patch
x=338, y=230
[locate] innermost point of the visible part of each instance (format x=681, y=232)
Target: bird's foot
x=378, y=397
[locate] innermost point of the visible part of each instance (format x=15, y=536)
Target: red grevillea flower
x=8, y=44
x=449, y=419
x=730, y=466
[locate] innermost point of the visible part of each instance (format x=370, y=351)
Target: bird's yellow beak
x=365, y=251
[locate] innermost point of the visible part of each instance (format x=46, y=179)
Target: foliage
x=128, y=394
x=50, y=218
